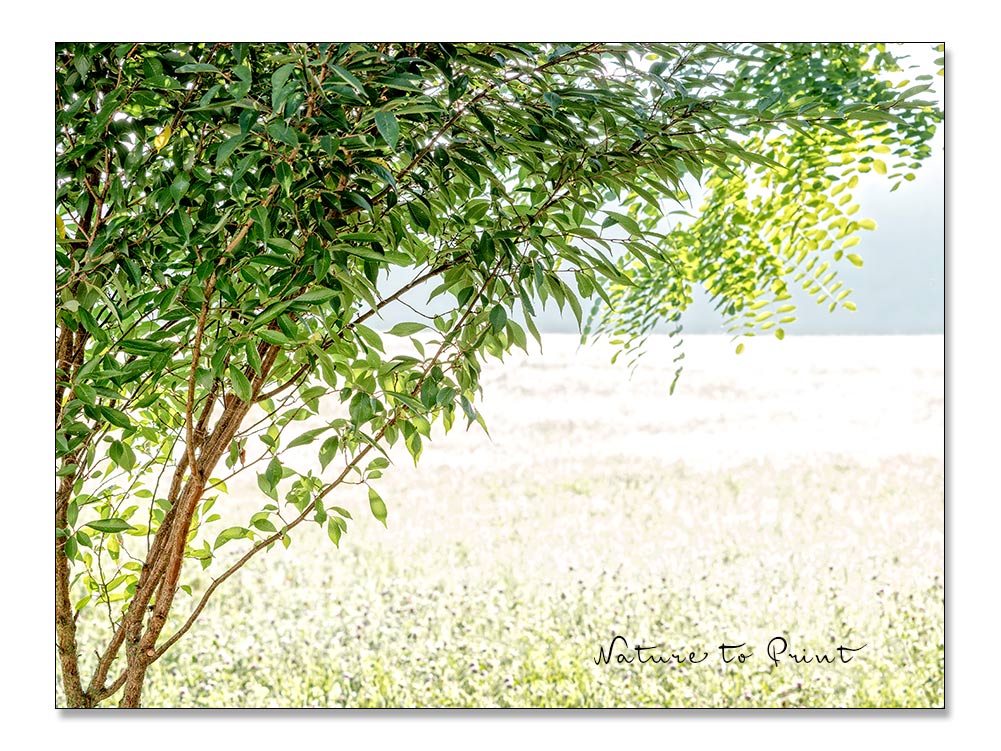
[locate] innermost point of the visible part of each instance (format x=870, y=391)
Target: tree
x=227, y=215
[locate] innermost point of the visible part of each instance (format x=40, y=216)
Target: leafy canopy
x=228, y=215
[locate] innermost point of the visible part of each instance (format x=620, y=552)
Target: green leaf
x=308, y=437
x=362, y=252
x=349, y=79
x=388, y=127
x=445, y=396
x=280, y=243
x=313, y=392
x=109, y=526
x=419, y=215
x=498, y=317
x=406, y=328
x=321, y=294
x=275, y=337
x=369, y=337
x=328, y=451
x=273, y=474
x=854, y=259
x=334, y=532
x=85, y=393
x=261, y=521
x=377, y=506
x=179, y=187
x=226, y=150
x=198, y=68
x=241, y=385
x=626, y=221
x=138, y=347
x=361, y=408
x=115, y=417
x=283, y=133
x=231, y=533
x=278, y=88
x=408, y=400
x=272, y=336
x=123, y=455
x=266, y=487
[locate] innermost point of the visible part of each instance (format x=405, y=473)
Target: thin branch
x=196, y=350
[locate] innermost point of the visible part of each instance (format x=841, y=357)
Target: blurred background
x=794, y=490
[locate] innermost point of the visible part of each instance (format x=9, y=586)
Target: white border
x=972, y=403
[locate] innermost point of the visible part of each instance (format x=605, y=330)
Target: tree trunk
x=135, y=671
x=132, y=698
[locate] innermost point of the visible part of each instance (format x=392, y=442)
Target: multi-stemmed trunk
x=161, y=569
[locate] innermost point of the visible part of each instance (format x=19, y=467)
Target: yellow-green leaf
x=163, y=138
x=377, y=505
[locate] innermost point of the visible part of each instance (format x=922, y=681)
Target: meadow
x=793, y=491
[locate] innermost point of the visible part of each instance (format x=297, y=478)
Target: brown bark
x=65, y=623
x=66, y=628
x=135, y=673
